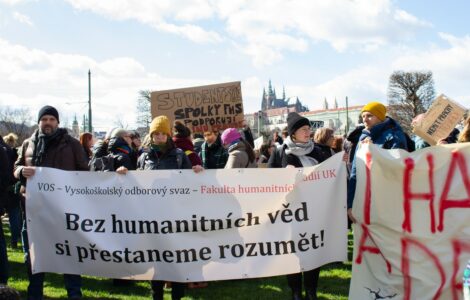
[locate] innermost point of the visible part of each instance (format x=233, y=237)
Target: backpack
x=102, y=163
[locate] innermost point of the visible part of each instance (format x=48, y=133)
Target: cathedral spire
x=264, y=99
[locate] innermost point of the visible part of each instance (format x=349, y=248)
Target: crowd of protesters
x=170, y=146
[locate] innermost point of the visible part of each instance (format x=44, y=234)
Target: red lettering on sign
x=408, y=195
x=406, y=243
x=457, y=161
x=372, y=249
x=367, y=197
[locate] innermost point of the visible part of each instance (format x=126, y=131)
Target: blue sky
x=316, y=49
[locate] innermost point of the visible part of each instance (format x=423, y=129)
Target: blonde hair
x=11, y=139
x=322, y=135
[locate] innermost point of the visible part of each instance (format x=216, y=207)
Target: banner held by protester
x=180, y=226
x=202, y=108
x=412, y=239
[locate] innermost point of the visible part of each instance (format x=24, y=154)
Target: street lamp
x=90, y=128
x=259, y=122
x=347, y=117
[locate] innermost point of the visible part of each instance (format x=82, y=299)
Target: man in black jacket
x=49, y=146
x=6, y=173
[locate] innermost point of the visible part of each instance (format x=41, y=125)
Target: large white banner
x=181, y=226
x=412, y=239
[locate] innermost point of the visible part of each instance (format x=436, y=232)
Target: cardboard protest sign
x=258, y=142
x=201, y=108
x=411, y=238
x=439, y=120
x=177, y=225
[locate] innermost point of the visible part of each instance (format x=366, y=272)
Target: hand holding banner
x=180, y=226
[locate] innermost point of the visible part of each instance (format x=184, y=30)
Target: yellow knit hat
x=376, y=108
x=160, y=124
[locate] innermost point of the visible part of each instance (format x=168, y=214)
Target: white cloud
x=22, y=18
x=155, y=14
x=266, y=29
x=33, y=78
x=13, y=2
x=450, y=66
x=363, y=24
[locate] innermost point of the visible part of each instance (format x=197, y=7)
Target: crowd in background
x=174, y=146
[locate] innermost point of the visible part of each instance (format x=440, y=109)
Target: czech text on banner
x=180, y=226
x=412, y=238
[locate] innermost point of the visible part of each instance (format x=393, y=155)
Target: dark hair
x=9, y=293
x=135, y=135
x=264, y=149
x=249, y=150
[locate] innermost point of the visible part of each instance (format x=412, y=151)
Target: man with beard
x=49, y=146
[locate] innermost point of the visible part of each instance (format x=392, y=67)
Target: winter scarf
x=301, y=150
x=42, y=142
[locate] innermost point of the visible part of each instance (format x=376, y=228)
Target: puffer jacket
x=387, y=135
x=173, y=159
x=121, y=153
x=238, y=158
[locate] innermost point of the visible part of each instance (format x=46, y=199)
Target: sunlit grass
x=333, y=284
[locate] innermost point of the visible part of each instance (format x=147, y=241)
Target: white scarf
x=301, y=150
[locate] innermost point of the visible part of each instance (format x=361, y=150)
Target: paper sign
x=439, y=120
x=202, y=108
x=258, y=142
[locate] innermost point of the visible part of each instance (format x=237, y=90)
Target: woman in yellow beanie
x=381, y=130
x=163, y=155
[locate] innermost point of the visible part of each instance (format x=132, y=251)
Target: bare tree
x=409, y=94
x=120, y=122
x=144, y=115
x=16, y=120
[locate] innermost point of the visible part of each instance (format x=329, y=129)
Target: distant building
x=273, y=115
x=269, y=100
x=335, y=118
x=75, y=128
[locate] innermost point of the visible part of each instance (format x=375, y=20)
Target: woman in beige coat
x=240, y=153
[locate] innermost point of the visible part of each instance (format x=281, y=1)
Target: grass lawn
x=333, y=284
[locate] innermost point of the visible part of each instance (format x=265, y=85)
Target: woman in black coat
x=299, y=151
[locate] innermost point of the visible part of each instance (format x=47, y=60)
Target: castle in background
x=274, y=111
x=269, y=100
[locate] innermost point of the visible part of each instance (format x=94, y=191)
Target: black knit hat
x=48, y=110
x=295, y=121
x=180, y=130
